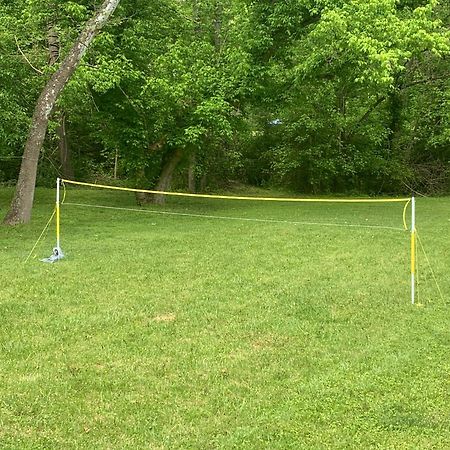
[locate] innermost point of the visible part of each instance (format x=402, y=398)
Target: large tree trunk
x=20, y=210
x=143, y=198
x=165, y=179
x=53, y=45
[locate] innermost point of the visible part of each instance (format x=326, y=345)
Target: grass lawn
x=178, y=332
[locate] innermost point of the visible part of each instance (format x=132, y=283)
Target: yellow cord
x=431, y=268
x=40, y=237
x=405, y=226
x=229, y=197
x=64, y=192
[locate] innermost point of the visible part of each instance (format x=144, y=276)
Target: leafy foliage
x=316, y=95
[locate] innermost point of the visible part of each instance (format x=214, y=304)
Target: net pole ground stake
x=58, y=246
x=413, y=249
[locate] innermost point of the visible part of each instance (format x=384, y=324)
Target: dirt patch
x=164, y=318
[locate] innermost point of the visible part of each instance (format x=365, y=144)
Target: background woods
x=316, y=96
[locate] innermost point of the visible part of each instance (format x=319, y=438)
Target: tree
x=20, y=210
x=330, y=95
x=184, y=103
x=337, y=85
x=20, y=84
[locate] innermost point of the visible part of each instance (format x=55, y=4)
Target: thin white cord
x=205, y=216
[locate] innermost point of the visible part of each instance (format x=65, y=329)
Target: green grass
x=177, y=332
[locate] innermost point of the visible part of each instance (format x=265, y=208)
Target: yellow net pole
x=413, y=249
x=57, y=214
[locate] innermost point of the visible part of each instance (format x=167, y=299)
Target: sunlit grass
x=177, y=332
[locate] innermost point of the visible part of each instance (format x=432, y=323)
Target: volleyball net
x=383, y=214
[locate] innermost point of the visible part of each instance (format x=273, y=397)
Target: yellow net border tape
x=405, y=226
x=232, y=197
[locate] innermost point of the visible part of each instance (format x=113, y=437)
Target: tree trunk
x=20, y=210
x=63, y=144
x=203, y=181
x=218, y=25
x=191, y=172
x=64, y=149
x=342, y=107
x=395, y=109
x=53, y=45
x=165, y=179
x=196, y=17
x=142, y=198
x=192, y=155
x=116, y=163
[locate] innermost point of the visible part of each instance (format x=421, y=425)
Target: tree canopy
x=318, y=96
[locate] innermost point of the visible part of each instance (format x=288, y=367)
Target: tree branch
x=26, y=59
x=400, y=88
x=423, y=81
